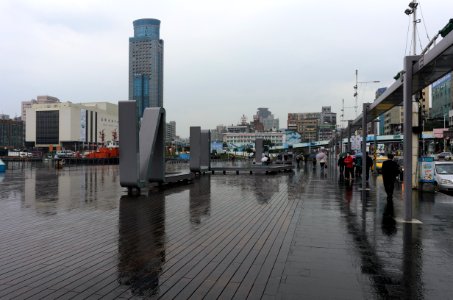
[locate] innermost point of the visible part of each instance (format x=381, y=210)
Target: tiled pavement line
x=59, y=258
x=219, y=220
x=118, y=290
x=29, y=259
x=249, y=224
x=66, y=271
x=203, y=236
x=221, y=276
x=313, y=268
x=254, y=282
x=213, y=283
x=215, y=229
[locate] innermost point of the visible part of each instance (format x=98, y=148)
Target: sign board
x=426, y=164
x=356, y=140
x=380, y=148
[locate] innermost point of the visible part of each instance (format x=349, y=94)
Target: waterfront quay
x=73, y=233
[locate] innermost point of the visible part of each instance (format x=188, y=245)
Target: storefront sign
x=426, y=164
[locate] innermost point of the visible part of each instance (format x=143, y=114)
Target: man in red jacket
x=348, y=166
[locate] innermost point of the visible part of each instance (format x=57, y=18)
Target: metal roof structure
x=431, y=66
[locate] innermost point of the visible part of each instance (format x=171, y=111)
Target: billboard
x=291, y=137
x=83, y=125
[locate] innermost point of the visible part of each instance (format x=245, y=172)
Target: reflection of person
x=390, y=170
x=388, y=222
x=348, y=193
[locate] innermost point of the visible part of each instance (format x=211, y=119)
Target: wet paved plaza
x=75, y=234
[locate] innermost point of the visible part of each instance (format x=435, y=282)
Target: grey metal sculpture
x=129, y=153
x=200, y=146
x=259, y=149
x=142, y=158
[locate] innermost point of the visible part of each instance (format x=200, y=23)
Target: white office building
x=70, y=125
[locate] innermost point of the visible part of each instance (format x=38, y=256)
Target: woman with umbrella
x=322, y=158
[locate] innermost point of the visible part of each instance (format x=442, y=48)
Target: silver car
x=444, y=156
x=443, y=176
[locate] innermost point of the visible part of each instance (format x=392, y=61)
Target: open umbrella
x=320, y=155
x=342, y=154
x=312, y=155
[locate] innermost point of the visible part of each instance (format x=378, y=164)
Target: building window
x=47, y=127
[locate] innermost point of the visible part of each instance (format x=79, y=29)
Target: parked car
x=65, y=153
x=443, y=176
x=444, y=156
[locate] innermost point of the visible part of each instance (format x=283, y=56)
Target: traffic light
x=447, y=28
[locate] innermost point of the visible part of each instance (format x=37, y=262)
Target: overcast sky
x=222, y=59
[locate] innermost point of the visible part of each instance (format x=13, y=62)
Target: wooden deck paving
x=75, y=234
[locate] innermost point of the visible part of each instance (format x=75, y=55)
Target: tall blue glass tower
x=146, y=65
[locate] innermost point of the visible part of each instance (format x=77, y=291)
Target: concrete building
x=266, y=118
x=39, y=100
x=425, y=103
x=11, y=133
x=327, y=124
x=393, y=120
x=146, y=65
x=306, y=124
x=69, y=125
x=170, y=131
x=277, y=138
x=237, y=129
x=218, y=132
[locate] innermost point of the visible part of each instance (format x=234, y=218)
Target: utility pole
x=356, y=89
x=412, y=10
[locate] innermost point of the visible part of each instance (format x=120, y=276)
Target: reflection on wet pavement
x=75, y=233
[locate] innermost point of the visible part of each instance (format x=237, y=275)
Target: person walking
x=348, y=166
x=341, y=165
x=322, y=158
x=390, y=170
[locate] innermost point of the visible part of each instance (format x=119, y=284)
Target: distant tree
x=114, y=135
x=102, y=136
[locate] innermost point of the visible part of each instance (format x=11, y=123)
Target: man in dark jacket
x=390, y=170
x=341, y=165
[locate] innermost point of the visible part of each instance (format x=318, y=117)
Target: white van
x=65, y=153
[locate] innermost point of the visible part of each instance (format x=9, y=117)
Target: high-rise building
x=146, y=65
x=11, y=132
x=170, y=132
x=442, y=97
x=266, y=118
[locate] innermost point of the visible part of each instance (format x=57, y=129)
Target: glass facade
x=147, y=28
x=11, y=134
x=47, y=127
x=146, y=65
x=441, y=97
x=141, y=92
